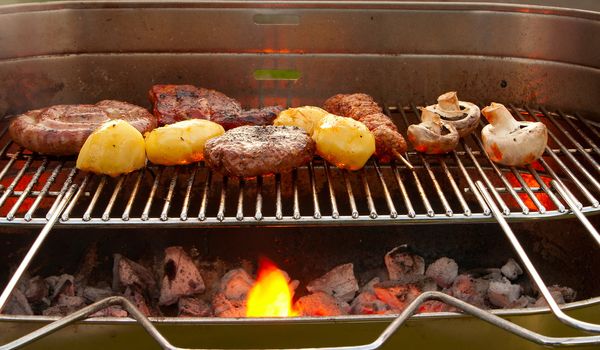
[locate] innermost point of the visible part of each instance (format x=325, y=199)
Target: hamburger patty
x=61, y=130
x=258, y=150
x=174, y=103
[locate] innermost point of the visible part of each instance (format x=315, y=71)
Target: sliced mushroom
x=464, y=116
x=433, y=135
x=511, y=142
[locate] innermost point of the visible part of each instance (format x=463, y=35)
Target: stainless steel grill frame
x=440, y=189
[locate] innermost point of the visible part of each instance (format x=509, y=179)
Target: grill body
x=299, y=53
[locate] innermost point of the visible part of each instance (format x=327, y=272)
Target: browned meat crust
x=61, y=130
x=388, y=141
x=173, y=103
x=258, y=150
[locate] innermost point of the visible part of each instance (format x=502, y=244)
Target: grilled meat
x=258, y=150
x=62, y=130
x=389, y=143
x=173, y=103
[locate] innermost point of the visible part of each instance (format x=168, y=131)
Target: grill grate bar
x=372, y=210
x=188, y=190
x=461, y=199
x=165, y=211
x=134, y=192
x=146, y=212
x=25, y=193
x=386, y=192
x=39, y=197
x=15, y=181
x=113, y=198
x=335, y=213
x=258, y=215
x=202, y=212
x=88, y=213
x=435, y=185
x=405, y=197
x=578, y=145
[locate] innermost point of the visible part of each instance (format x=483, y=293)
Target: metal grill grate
x=440, y=188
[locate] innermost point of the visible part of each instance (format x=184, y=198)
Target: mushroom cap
x=428, y=136
x=519, y=147
x=465, y=118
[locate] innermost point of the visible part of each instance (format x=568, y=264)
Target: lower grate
x=440, y=188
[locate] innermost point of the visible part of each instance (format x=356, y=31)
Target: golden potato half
x=182, y=142
x=344, y=142
x=307, y=117
x=115, y=148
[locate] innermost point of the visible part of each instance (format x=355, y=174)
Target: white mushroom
x=433, y=135
x=463, y=115
x=511, y=142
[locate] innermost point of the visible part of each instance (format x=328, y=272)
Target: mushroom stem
x=431, y=120
x=497, y=115
x=448, y=102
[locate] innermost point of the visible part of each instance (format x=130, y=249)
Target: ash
x=179, y=284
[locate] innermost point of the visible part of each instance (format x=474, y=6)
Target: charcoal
x=59, y=310
x=368, y=287
x=127, y=273
x=181, y=276
x=469, y=289
x=339, y=283
x=556, y=295
x=224, y=307
x=511, y=270
x=192, y=307
x=443, y=271
x=111, y=311
x=138, y=300
x=523, y=302
x=211, y=273
x=503, y=294
x=435, y=306
x=367, y=303
x=236, y=284
x=398, y=294
x=37, y=290
x=94, y=294
x=17, y=304
x=401, y=261
x=61, y=285
x=90, y=260
x=321, y=304
x=71, y=301
x=559, y=294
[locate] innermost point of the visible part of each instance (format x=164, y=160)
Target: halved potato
x=307, y=117
x=344, y=142
x=182, y=142
x=115, y=148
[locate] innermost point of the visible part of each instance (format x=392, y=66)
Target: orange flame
x=271, y=295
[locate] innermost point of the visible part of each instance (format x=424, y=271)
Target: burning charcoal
x=182, y=277
x=37, y=290
x=138, y=300
x=192, y=307
x=559, y=294
x=503, y=294
x=523, y=302
x=90, y=260
x=61, y=285
x=435, y=306
x=224, y=307
x=469, y=289
x=321, y=304
x=511, y=270
x=398, y=294
x=443, y=271
x=339, y=282
x=127, y=273
x=368, y=287
x=236, y=284
x=111, y=311
x=401, y=262
x=94, y=294
x=211, y=273
x=366, y=303
x=17, y=304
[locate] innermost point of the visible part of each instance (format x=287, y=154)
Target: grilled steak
x=61, y=130
x=258, y=150
x=173, y=103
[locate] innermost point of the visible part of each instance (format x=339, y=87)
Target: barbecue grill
x=542, y=62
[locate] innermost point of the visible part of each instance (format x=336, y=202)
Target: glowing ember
x=271, y=295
